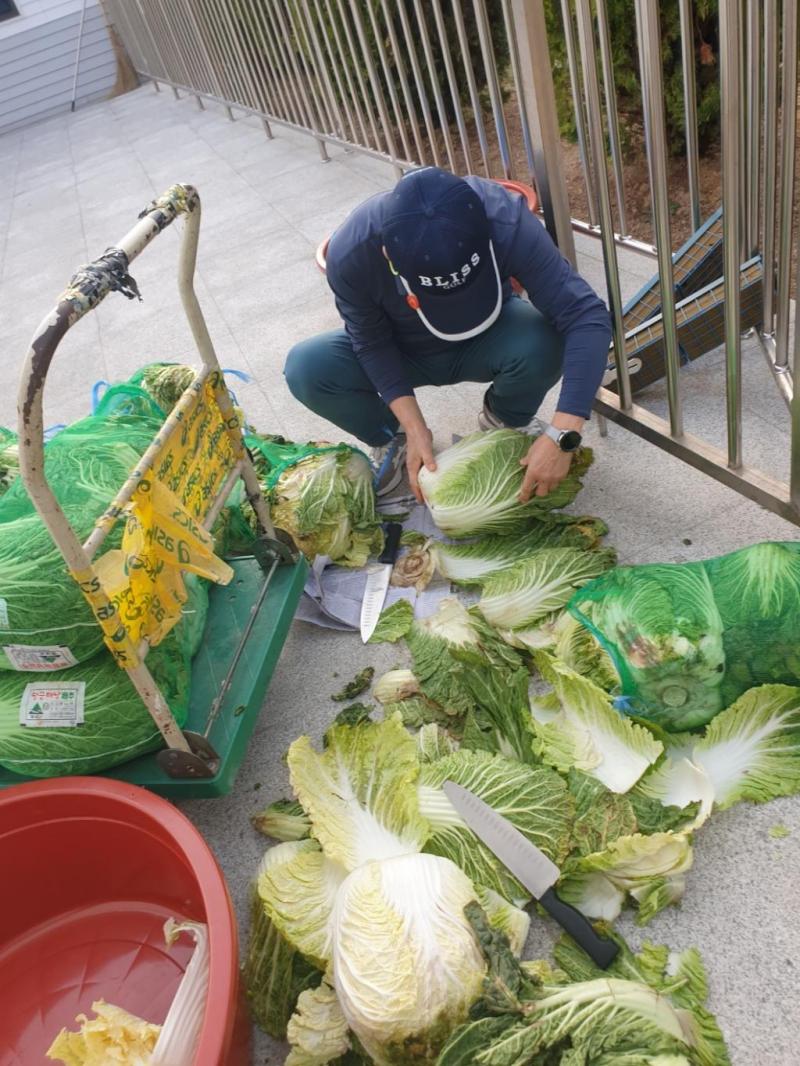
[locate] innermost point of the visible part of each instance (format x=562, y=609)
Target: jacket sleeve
x=570, y=304
x=369, y=330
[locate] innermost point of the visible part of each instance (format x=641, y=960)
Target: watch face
x=570, y=440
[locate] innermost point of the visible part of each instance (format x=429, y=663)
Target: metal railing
x=468, y=85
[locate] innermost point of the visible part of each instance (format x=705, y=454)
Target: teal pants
x=520, y=355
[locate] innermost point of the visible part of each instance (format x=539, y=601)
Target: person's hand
x=419, y=442
x=547, y=466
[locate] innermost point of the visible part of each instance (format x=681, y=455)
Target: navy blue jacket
x=382, y=326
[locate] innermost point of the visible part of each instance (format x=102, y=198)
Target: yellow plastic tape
x=138, y=592
x=161, y=541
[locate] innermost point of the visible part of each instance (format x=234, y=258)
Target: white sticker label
x=60, y=704
x=39, y=657
x=4, y=614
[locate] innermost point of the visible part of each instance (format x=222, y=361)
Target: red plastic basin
x=90, y=868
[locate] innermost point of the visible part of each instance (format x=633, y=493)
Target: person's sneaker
x=487, y=420
x=389, y=461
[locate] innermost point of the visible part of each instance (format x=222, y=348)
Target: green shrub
x=622, y=33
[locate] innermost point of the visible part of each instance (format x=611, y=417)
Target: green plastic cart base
x=228, y=614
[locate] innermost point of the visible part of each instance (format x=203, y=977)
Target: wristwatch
x=568, y=440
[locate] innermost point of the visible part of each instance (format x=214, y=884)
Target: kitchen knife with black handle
x=378, y=576
x=531, y=867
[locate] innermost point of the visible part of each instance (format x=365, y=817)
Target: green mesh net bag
x=86, y=465
x=116, y=724
x=9, y=459
x=321, y=495
x=688, y=639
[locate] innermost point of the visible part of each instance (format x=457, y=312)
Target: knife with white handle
x=531, y=867
x=378, y=576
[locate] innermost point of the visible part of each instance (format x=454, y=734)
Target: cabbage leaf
x=444, y=645
x=533, y=588
x=360, y=794
x=534, y=799
x=751, y=751
x=282, y=820
x=471, y=563
x=317, y=1031
x=588, y=734
x=629, y=1015
x=650, y=869
x=394, y=622
x=274, y=971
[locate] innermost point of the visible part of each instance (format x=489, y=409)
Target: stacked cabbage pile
x=383, y=930
x=44, y=612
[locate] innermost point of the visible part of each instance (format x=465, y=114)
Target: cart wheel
x=203, y=760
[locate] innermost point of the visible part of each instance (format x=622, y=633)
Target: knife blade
x=378, y=576
x=531, y=867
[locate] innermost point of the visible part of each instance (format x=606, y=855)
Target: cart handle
x=87, y=288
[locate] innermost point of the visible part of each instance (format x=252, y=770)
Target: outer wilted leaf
x=361, y=794
x=394, y=622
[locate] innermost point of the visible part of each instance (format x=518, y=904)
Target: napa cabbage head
x=406, y=964
x=475, y=487
x=326, y=502
x=661, y=625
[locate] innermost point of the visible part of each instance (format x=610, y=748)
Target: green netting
x=322, y=495
x=86, y=465
x=688, y=639
x=117, y=726
x=9, y=458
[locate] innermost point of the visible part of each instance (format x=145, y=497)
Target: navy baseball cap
x=438, y=241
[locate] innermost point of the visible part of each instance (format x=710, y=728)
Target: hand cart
x=248, y=618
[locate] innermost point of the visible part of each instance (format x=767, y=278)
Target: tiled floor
x=75, y=184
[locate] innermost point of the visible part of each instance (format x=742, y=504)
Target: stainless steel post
x=794, y=474
x=229, y=69
x=204, y=51
x=389, y=79
x=492, y=82
x=690, y=109
x=469, y=72
x=516, y=72
x=376, y=88
x=258, y=62
x=786, y=199
x=411, y=111
x=341, y=68
x=647, y=14
x=238, y=38
x=536, y=80
x=175, y=60
x=612, y=118
x=455, y=94
x=419, y=83
x=597, y=145
x=578, y=109
x=427, y=51
x=730, y=14
x=754, y=195
x=266, y=37
x=305, y=85
x=284, y=43
x=770, y=163
x=352, y=53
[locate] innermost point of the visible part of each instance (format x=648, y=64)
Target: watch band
x=553, y=433
x=558, y=435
